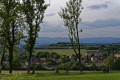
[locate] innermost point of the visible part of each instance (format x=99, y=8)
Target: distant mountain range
x=46, y=40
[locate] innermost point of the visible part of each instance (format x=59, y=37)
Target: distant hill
x=45, y=40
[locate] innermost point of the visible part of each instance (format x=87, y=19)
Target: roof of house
x=95, y=51
x=39, y=62
x=116, y=54
x=100, y=62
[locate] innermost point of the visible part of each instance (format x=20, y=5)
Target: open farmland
x=59, y=51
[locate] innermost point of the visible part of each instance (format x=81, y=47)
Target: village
x=91, y=57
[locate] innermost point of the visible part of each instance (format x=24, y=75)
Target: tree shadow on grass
x=53, y=73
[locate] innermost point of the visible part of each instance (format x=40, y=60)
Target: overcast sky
x=100, y=18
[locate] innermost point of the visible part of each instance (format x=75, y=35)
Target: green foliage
x=42, y=54
x=71, y=17
x=65, y=66
x=37, y=67
x=11, y=25
x=33, y=14
x=117, y=64
x=54, y=55
x=109, y=62
x=77, y=66
x=93, y=67
x=91, y=48
x=110, y=48
x=22, y=55
x=16, y=63
x=100, y=67
x=64, y=60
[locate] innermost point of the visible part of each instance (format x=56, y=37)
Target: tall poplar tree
x=71, y=17
x=11, y=25
x=34, y=13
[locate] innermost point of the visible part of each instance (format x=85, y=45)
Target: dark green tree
x=34, y=13
x=71, y=17
x=10, y=15
x=109, y=62
x=16, y=64
x=117, y=64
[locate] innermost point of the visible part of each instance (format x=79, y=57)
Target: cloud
x=105, y=23
x=48, y=27
x=98, y=28
x=100, y=6
x=102, y=23
x=49, y=15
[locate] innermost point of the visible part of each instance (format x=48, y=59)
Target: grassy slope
x=51, y=75
x=60, y=51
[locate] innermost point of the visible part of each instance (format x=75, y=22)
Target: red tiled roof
x=39, y=62
x=95, y=52
x=100, y=62
x=116, y=54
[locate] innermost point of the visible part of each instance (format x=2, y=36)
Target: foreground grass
x=62, y=75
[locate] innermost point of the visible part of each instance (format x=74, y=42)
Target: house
x=23, y=60
x=94, y=58
x=88, y=63
x=100, y=62
x=95, y=53
x=73, y=58
x=35, y=58
x=43, y=63
x=64, y=56
x=23, y=65
x=117, y=55
x=84, y=57
x=51, y=66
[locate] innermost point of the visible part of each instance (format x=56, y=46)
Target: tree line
x=20, y=19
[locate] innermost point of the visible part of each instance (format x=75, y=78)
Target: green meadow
x=62, y=75
x=67, y=52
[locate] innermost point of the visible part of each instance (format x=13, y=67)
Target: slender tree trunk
x=67, y=70
x=80, y=62
x=10, y=59
x=3, y=52
x=29, y=62
x=2, y=60
x=10, y=70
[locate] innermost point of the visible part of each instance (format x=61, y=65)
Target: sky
x=100, y=18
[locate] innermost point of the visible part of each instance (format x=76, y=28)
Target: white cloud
x=55, y=28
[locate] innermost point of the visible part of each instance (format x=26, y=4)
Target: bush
x=100, y=68
x=37, y=67
x=76, y=66
x=93, y=67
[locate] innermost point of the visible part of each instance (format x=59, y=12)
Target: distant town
x=46, y=60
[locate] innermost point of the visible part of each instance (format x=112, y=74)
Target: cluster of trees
x=52, y=55
x=110, y=49
x=113, y=63
x=75, y=66
x=19, y=19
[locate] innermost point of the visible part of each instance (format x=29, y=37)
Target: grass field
x=59, y=51
x=62, y=75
